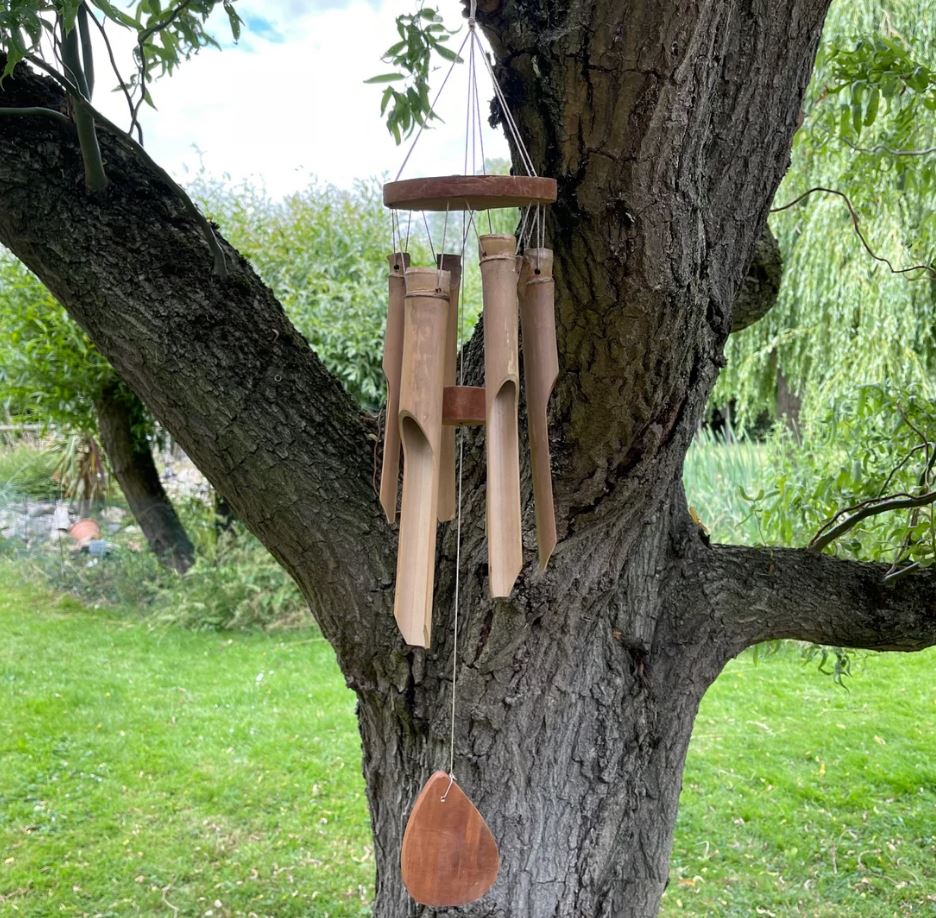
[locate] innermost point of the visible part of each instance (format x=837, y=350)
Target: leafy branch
x=143, y=70
x=877, y=67
x=121, y=82
x=871, y=507
x=849, y=517
x=422, y=35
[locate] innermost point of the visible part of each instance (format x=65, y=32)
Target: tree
x=668, y=128
x=868, y=132
x=50, y=371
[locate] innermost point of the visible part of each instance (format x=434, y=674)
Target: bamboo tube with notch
x=426, y=312
x=392, y=364
x=540, y=371
x=502, y=386
x=452, y=264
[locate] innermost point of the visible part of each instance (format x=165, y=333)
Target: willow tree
x=869, y=133
x=668, y=127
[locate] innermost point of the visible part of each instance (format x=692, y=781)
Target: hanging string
x=477, y=115
x=435, y=101
x=508, y=115
x=467, y=221
x=472, y=37
x=521, y=242
x=468, y=123
x=428, y=235
x=394, y=236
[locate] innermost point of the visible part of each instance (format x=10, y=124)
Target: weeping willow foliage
x=843, y=319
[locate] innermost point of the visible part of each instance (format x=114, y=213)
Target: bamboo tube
x=420, y=418
x=451, y=263
x=540, y=371
x=502, y=385
x=392, y=363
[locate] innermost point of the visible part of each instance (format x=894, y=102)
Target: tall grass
x=27, y=469
x=719, y=476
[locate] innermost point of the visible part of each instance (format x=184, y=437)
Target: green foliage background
x=842, y=318
x=50, y=372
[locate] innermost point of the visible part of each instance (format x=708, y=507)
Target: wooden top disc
x=469, y=192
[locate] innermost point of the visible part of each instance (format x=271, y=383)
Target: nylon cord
x=466, y=222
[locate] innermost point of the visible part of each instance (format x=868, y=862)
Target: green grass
x=801, y=798
x=716, y=476
x=144, y=772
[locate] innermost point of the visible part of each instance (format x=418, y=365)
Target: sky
x=288, y=102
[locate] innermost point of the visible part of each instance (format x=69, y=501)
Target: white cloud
x=289, y=102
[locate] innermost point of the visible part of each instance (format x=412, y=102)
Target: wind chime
x=449, y=856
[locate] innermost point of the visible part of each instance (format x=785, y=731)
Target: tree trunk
x=225, y=517
x=128, y=451
x=668, y=127
x=572, y=726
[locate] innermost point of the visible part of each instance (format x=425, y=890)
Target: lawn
x=173, y=773
x=176, y=773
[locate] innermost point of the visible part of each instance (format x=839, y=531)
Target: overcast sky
x=289, y=100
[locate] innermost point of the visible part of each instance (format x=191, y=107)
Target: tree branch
x=96, y=178
x=216, y=361
x=867, y=508
x=761, y=594
x=87, y=50
x=856, y=224
x=38, y=110
x=883, y=148
x=758, y=293
x=120, y=80
x=144, y=37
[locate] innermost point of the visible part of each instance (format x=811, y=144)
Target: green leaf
x=234, y=20
x=386, y=78
x=874, y=99
x=447, y=54
x=112, y=12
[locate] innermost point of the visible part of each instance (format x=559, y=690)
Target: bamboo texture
x=540, y=372
x=451, y=263
x=392, y=365
x=499, y=277
x=426, y=311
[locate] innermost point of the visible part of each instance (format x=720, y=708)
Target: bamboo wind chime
x=425, y=403
x=449, y=856
x=420, y=357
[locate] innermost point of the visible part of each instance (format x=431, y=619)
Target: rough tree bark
x=119, y=413
x=668, y=126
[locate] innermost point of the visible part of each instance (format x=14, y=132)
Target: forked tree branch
x=762, y=594
x=872, y=507
x=215, y=359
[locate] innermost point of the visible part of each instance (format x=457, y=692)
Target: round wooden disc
x=469, y=192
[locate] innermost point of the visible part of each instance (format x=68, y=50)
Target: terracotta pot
x=84, y=530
